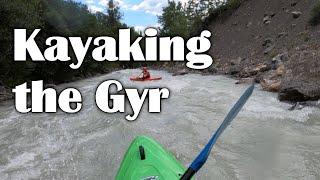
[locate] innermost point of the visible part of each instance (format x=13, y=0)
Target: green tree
x=54, y=18
x=173, y=20
x=114, y=15
x=191, y=12
x=16, y=14
x=206, y=6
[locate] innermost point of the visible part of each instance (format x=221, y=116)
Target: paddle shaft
x=204, y=154
x=188, y=174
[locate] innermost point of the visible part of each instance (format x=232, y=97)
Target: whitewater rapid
x=265, y=141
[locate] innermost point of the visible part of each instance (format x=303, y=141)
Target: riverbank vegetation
x=190, y=18
x=55, y=18
x=69, y=18
x=315, y=15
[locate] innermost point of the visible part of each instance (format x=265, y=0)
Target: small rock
x=249, y=72
x=272, y=14
x=296, y=14
x=282, y=57
x=267, y=22
x=234, y=70
x=274, y=65
x=249, y=24
x=180, y=73
x=282, y=34
x=261, y=68
x=294, y=4
x=209, y=71
x=236, y=61
x=267, y=19
x=280, y=70
x=257, y=37
x=279, y=60
x=296, y=106
x=302, y=48
x=269, y=49
x=267, y=42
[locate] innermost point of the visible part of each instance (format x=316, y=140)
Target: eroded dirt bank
x=273, y=43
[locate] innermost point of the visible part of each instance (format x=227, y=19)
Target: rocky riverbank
x=272, y=43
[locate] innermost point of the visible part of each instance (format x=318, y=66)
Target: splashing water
x=265, y=141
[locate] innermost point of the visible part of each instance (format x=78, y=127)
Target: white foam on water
x=91, y=144
x=21, y=160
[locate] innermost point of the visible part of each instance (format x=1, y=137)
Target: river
x=265, y=141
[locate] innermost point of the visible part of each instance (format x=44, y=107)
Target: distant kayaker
x=145, y=73
x=145, y=76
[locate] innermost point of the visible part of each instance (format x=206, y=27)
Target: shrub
x=228, y=7
x=315, y=15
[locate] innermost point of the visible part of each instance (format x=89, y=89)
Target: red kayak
x=147, y=79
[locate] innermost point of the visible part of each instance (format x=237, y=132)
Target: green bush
x=227, y=7
x=315, y=15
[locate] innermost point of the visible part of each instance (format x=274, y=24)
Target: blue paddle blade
x=204, y=154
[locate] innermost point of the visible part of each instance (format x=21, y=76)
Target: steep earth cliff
x=272, y=42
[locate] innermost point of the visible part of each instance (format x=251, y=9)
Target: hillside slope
x=271, y=41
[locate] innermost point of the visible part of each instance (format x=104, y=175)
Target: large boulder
x=253, y=71
x=301, y=81
x=271, y=81
x=272, y=86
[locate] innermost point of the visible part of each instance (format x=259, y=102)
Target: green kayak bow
x=147, y=160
